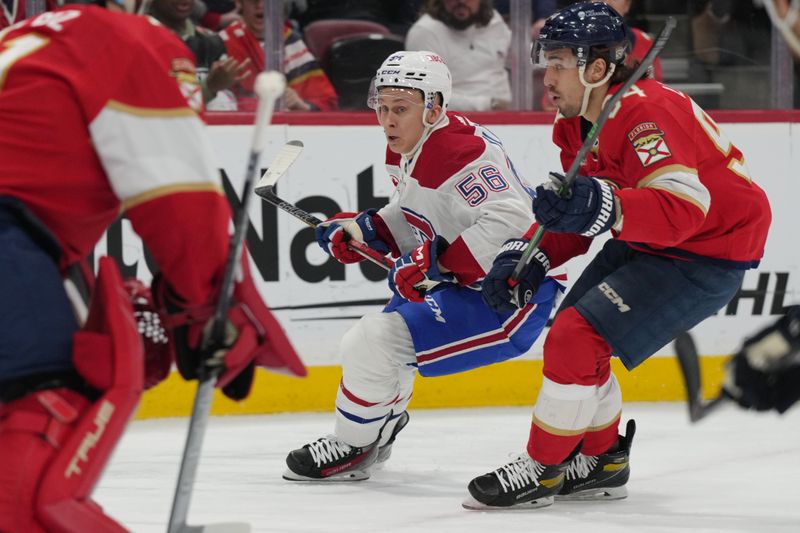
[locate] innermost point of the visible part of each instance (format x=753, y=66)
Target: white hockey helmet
x=421, y=70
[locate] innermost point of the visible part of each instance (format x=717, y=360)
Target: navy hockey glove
x=414, y=270
x=588, y=208
x=497, y=288
x=333, y=235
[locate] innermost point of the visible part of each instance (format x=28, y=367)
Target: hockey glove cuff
x=333, y=235
x=498, y=290
x=416, y=269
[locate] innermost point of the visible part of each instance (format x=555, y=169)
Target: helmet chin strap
x=426, y=131
x=589, y=86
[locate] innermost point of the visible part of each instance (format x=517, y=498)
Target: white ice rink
x=733, y=472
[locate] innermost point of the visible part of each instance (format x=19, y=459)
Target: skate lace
x=327, y=450
x=518, y=473
x=581, y=466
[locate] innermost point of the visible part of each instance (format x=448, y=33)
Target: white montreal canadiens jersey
x=462, y=186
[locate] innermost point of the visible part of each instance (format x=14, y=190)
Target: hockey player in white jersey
x=457, y=200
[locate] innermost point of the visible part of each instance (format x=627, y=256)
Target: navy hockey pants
x=36, y=318
x=639, y=302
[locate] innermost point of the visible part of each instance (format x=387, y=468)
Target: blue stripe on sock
x=359, y=419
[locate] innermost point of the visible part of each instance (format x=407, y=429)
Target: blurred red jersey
x=99, y=116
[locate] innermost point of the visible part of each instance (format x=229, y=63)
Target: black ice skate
x=521, y=484
x=328, y=459
x=385, y=451
x=600, y=477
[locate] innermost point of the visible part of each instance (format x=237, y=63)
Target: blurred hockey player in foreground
x=457, y=200
x=765, y=373
x=99, y=115
x=686, y=222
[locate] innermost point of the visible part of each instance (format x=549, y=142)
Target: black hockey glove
x=498, y=290
x=588, y=208
x=765, y=374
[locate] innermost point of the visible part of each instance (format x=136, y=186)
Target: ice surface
x=734, y=471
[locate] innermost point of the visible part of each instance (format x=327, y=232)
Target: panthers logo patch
x=648, y=143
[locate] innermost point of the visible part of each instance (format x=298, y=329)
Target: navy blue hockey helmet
x=590, y=29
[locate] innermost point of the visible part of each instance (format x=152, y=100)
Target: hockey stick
x=690, y=368
x=569, y=178
x=785, y=24
x=265, y=188
x=269, y=87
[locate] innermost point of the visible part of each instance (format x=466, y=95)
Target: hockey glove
x=333, y=235
x=588, y=208
x=765, y=374
x=158, y=353
x=418, y=268
x=253, y=338
x=498, y=290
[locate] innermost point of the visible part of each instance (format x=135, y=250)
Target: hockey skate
x=600, y=477
x=328, y=459
x=521, y=484
x=385, y=451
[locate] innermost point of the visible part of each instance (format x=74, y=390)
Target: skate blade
x=602, y=494
x=342, y=477
x=474, y=505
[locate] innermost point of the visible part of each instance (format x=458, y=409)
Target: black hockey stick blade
x=690, y=369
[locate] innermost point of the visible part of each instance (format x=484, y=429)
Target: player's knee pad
x=107, y=352
x=375, y=351
x=574, y=352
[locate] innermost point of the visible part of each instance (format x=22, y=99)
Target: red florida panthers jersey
x=99, y=115
x=683, y=187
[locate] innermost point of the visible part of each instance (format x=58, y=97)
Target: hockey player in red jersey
x=99, y=115
x=457, y=198
x=686, y=221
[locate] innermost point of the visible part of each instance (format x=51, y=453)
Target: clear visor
x=398, y=100
x=553, y=56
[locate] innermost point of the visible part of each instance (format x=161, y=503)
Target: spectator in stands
x=215, y=14
x=396, y=15
x=540, y=9
x=640, y=41
x=473, y=40
x=13, y=11
x=308, y=88
x=726, y=33
x=217, y=72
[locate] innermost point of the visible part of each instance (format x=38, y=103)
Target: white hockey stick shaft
x=269, y=87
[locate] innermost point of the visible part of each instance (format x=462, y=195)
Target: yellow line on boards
x=504, y=384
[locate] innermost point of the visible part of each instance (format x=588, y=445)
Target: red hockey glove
x=333, y=234
x=411, y=272
x=253, y=338
x=158, y=352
